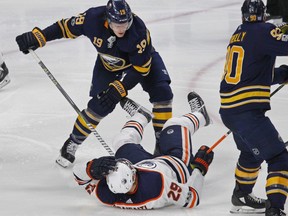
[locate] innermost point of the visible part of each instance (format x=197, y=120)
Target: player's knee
x=124, y=137
x=173, y=121
x=95, y=106
x=161, y=93
x=279, y=162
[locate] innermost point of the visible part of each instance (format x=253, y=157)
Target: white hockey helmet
x=122, y=178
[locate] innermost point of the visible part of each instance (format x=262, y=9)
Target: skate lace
x=195, y=104
x=255, y=199
x=71, y=148
x=131, y=108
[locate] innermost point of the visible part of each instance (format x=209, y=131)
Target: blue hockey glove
x=99, y=168
x=202, y=159
x=111, y=96
x=31, y=40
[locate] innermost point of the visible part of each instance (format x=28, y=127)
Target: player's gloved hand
x=99, y=168
x=285, y=67
x=283, y=27
x=111, y=96
x=31, y=40
x=202, y=159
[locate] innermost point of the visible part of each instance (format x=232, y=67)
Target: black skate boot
x=273, y=211
x=4, y=78
x=197, y=105
x=131, y=107
x=244, y=203
x=67, y=153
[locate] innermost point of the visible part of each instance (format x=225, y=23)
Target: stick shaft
x=53, y=79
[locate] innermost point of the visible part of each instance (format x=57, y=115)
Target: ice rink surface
x=191, y=36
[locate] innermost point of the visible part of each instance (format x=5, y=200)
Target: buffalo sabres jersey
x=162, y=181
x=249, y=68
x=133, y=50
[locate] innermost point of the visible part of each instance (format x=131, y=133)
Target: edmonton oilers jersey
x=249, y=68
x=162, y=181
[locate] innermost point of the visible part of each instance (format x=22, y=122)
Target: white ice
x=35, y=119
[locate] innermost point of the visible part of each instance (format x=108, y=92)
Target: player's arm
x=193, y=188
x=273, y=41
x=140, y=58
x=65, y=28
x=96, y=169
x=280, y=75
x=89, y=175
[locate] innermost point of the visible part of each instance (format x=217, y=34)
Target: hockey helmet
x=253, y=11
x=122, y=178
x=118, y=11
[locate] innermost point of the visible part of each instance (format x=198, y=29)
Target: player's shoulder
x=147, y=176
x=138, y=24
x=138, y=30
x=96, y=12
x=260, y=27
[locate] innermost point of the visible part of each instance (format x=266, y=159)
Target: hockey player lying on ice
x=175, y=177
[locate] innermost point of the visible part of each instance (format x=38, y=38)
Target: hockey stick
x=52, y=78
x=228, y=132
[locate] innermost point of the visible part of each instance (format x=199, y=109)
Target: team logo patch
x=170, y=131
x=73, y=22
x=146, y=164
x=256, y=151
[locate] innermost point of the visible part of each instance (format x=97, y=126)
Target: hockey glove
x=98, y=168
x=202, y=159
x=111, y=96
x=283, y=27
x=31, y=40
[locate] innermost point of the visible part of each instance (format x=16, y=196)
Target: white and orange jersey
x=162, y=181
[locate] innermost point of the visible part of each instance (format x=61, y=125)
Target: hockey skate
x=4, y=78
x=197, y=105
x=246, y=203
x=67, y=153
x=273, y=211
x=131, y=107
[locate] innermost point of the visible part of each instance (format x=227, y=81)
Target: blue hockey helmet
x=118, y=11
x=253, y=11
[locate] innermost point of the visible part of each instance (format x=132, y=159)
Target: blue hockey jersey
x=249, y=68
x=134, y=49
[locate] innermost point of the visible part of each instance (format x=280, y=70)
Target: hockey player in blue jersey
x=245, y=97
x=125, y=58
x=136, y=179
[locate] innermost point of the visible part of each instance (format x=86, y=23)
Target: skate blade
x=63, y=162
x=5, y=82
x=246, y=210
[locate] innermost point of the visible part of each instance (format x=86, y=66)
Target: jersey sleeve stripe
x=177, y=166
x=186, y=145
